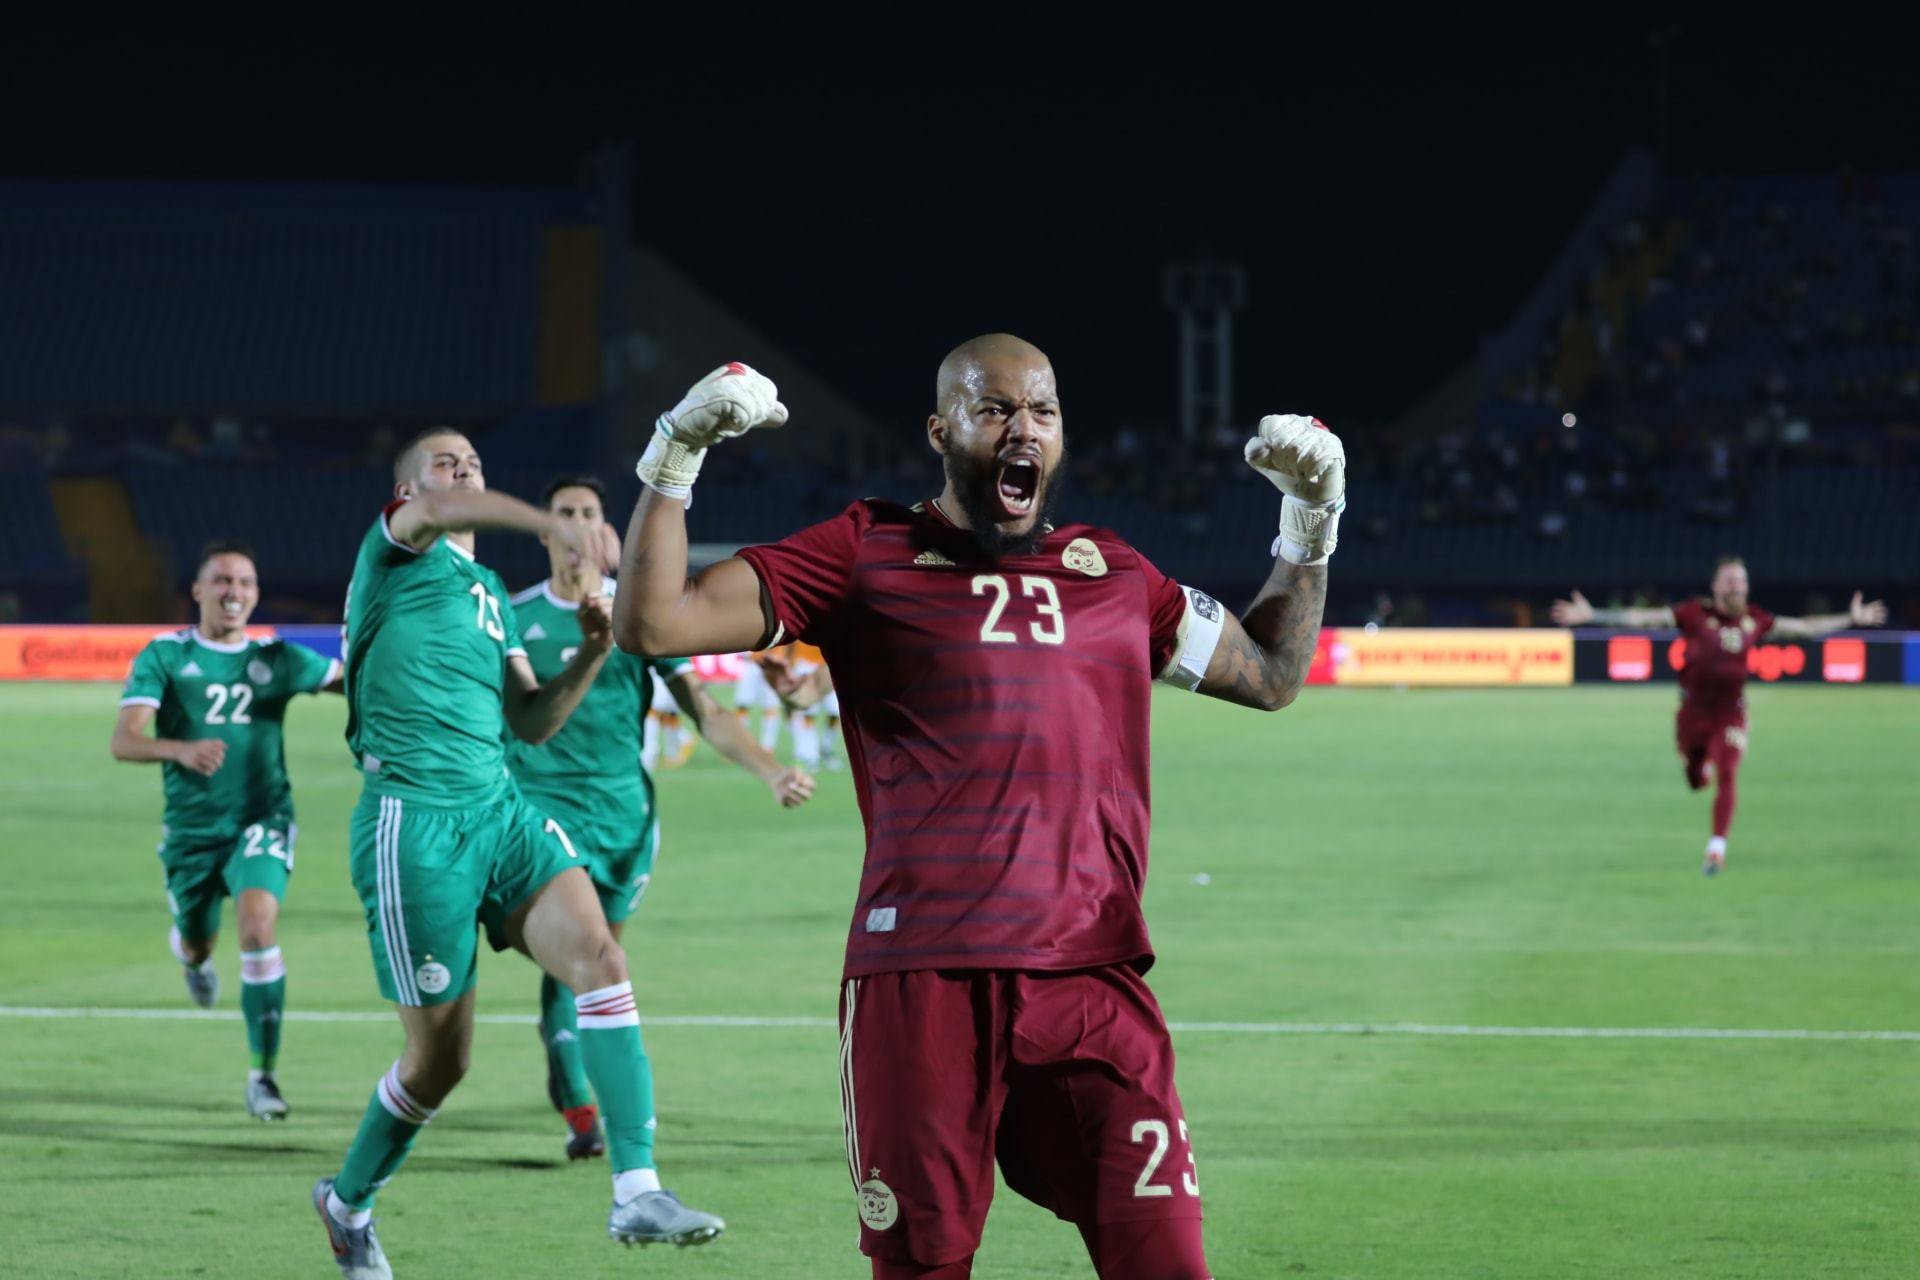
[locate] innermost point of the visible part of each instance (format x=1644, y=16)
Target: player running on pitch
x=1711, y=726
x=443, y=840
x=995, y=674
x=590, y=778
x=219, y=700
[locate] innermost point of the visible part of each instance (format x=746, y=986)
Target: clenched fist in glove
x=730, y=401
x=1306, y=462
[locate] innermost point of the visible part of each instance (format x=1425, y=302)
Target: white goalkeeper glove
x=1306, y=462
x=730, y=401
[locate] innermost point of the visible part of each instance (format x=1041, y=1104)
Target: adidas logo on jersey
x=931, y=556
x=192, y=669
x=534, y=632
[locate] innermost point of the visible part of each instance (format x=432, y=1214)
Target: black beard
x=977, y=485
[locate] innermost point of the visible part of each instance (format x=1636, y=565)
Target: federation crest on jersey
x=259, y=672
x=878, y=1207
x=433, y=977
x=1083, y=557
x=1746, y=624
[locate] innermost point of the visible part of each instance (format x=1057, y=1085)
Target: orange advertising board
x=78, y=653
x=1415, y=656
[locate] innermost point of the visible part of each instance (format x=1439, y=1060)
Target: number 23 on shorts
x=1154, y=1133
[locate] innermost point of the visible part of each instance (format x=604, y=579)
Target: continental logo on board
x=80, y=652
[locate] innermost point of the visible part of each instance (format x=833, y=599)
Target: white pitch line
x=1185, y=1028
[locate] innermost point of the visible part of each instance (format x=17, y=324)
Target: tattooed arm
x=1262, y=658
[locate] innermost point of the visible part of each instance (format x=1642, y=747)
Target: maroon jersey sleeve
x=807, y=574
x=1762, y=623
x=1688, y=614
x=1166, y=614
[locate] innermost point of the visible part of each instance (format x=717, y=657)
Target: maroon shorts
x=1065, y=1078
x=1711, y=734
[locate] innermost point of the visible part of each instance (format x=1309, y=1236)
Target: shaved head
x=997, y=426
x=969, y=366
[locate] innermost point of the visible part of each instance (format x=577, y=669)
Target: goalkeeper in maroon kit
x=1720, y=631
x=995, y=672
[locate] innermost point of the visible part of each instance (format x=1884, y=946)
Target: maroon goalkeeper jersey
x=996, y=721
x=1714, y=677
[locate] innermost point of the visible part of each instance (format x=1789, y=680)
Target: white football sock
x=629, y=1183
x=1717, y=845
x=344, y=1214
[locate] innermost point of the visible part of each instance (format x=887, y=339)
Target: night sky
x=869, y=196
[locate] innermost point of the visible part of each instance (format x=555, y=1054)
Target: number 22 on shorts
x=1144, y=1187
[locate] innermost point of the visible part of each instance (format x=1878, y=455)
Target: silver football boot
x=356, y=1250
x=658, y=1217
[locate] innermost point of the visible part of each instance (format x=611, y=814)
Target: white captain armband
x=1194, y=643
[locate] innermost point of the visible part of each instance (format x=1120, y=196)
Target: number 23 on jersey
x=1048, y=627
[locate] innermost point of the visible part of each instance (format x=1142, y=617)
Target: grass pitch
x=1476, y=859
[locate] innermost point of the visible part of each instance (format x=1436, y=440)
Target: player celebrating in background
x=220, y=700
x=589, y=775
x=1711, y=727
x=442, y=839
x=995, y=674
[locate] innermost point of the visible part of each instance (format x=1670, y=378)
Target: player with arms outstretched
x=218, y=700
x=590, y=777
x=442, y=839
x=1711, y=726
x=995, y=673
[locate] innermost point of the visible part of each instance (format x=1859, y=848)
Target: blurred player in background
x=220, y=700
x=752, y=691
x=667, y=743
x=996, y=673
x=591, y=778
x=1720, y=630
x=816, y=718
x=442, y=839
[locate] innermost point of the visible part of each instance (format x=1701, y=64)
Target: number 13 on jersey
x=1050, y=629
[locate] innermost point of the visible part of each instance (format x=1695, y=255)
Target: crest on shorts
x=1083, y=557
x=259, y=672
x=878, y=1207
x=433, y=977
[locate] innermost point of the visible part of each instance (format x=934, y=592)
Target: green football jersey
x=591, y=768
x=235, y=692
x=428, y=635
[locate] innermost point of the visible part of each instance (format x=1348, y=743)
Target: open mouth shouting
x=1018, y=484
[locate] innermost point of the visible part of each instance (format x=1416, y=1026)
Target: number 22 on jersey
x=1050, y=628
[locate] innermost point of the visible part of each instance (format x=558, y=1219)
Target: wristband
x=1309, y=531
x=668, y=467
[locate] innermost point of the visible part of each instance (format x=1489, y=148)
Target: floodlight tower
x=1205, y=294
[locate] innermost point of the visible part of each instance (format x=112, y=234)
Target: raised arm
x=792, y=787
x=535, y=711
x=1860, y=613
x=1262, y=657
x=420, y=520
x=132, y=744
x=659, y=609
x=1577, y=612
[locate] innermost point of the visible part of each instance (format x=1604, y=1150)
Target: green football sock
x=263, y=998
x=393, y=1120
x=622, y=1077
x=562, y=1035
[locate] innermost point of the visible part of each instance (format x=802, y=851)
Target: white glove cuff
x=668, y=467
x=1309, y=531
